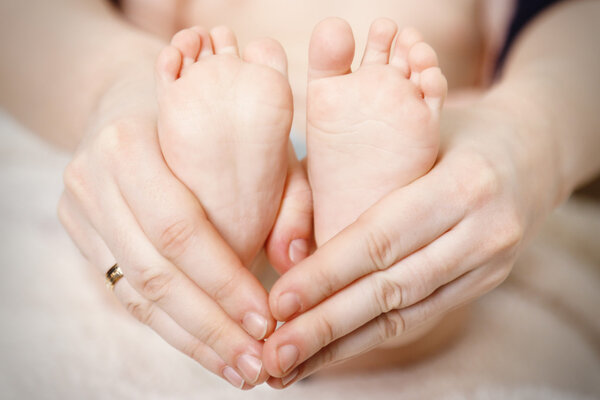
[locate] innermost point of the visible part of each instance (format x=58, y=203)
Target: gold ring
x=113, y=275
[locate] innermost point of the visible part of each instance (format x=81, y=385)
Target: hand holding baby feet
x=223, y=124
x=223, y=127
x=370, y=133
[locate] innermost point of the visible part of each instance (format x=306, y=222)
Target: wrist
x=535, y=147
x=507, y=132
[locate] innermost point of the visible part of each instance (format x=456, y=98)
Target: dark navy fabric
x=525, y=11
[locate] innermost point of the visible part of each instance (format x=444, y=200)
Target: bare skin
x=533, y=153
x=453, y=28
x=223, y=128
x=372, y=130
x=506, y=160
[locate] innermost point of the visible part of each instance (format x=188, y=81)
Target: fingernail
x=288, y=304
x=288, y=355
x=287, y=379
x=233, y=377
x=250, y=367
x=298, y=250
x=255, y=325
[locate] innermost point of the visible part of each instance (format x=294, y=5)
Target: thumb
x=291, y=238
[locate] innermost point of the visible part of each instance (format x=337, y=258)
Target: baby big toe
x=434, y=88
x=420, y=57
x=331, y=49
x=267, y=52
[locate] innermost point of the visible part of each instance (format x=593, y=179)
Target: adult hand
x=426, y=248
x=122, y=204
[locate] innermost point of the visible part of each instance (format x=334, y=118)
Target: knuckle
x=325, y=332
x=194, y=350
x=225, y=289
x=507, y=237
x=115, y=141
x=388, y=294
x=175, y=238
x=143, y=312
x=480, y=181
x=211, y=334
x=379, y=248
x=328, y=284
x=390, y=325
x=155, y=284
x=512, y=233
x=329, y=354
x=75, y=176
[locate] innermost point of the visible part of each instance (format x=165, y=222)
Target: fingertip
x=275, y=383
x=271, y=363
x=256, y=325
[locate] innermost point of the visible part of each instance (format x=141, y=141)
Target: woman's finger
x=407, y=282
x=160, y=282
x=174, y=221
x=95, y=250
x=291, y=239
x=397, y=322
x=398, y=225
x=175, y=335
x=85, y=237
x=402, y=285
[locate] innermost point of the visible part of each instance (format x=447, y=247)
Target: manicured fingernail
x=298, y=250
x=255, y=325
x=288, y=378
x=288, y=304
x=288, y=355
x=233, y=377
x=250, y=367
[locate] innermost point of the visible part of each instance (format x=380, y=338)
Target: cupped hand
x=424, y=249
x=122, y=204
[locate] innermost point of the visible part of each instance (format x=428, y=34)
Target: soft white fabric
x=65, y=337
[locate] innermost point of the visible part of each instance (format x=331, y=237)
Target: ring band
x=113, y=275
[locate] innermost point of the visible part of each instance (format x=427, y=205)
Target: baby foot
x=372, y=130
x=223, y=126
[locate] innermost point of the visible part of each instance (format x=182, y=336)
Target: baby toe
x=407, y=38
x=188, y=43
x=420, y=57
x=267, y=52
x=434, y=88
x=224, y=41
x=379, y=42
x=206, y=46
x=168, y=66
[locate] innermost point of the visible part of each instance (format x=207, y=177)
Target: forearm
x=550, y=84
x=60, y=57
